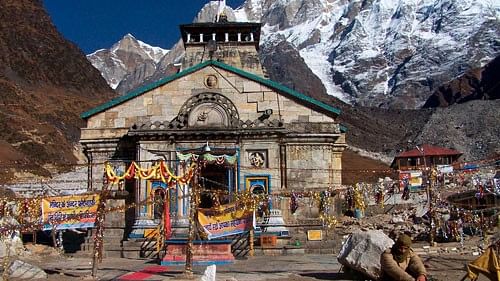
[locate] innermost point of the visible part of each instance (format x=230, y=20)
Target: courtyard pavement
x=258, y=268
x=444, y=263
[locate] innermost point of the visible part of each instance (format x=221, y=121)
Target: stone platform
x=204, y=252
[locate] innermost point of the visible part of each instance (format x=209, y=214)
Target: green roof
x=269, y=83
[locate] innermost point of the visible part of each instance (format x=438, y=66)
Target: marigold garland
x=159, y=171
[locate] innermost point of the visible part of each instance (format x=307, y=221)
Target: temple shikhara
x=207, y=138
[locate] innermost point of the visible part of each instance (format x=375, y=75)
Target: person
x=400, y=263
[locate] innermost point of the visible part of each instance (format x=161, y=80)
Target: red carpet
x=144, y=273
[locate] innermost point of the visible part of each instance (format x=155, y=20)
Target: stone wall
x=312, y=166
x=163, y=104
x=302, y=153
x=242, y=56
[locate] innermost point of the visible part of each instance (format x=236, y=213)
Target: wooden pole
x=99, y=229
x=429, y=194
x=431, y=211
x=188, y=269
x=53, y=235
x=251, y=242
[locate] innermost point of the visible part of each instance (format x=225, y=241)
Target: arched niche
x=209, y=110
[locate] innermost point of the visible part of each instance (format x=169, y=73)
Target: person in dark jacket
x=400, y=263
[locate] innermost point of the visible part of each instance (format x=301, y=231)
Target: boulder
x=23, y=270
x=10, y=239
x=398, y=219
x=361, y=252
x=11, y=247
x=209, y=274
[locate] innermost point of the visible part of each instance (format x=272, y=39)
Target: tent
x=487, y=264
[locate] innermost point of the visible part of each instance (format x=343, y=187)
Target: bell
x=206, y=148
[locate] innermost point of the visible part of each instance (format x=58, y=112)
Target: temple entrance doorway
x=158, y=204
x=216, y=184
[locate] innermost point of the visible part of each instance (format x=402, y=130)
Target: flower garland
x=218, y=159
x=159, y=171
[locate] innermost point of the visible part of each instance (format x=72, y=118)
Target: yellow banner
x=72, y=211
x=226, y=220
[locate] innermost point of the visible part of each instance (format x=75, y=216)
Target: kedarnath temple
x=216, y=130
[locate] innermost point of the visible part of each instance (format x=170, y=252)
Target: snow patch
x=319, y=65
x=155, y=53
x=366, y=54
x=373, y=155
x=96, y=52
x=240, y=15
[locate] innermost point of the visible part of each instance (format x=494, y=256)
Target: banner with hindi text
x=69, y=212
x=228, y=220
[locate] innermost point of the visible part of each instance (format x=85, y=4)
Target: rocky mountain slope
x=45, y=83
x=471, y=127
x=348, y=51
x=478, y=83
x=382, y=53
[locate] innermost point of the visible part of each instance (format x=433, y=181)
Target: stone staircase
x=115, y=241
x=115, y=246
x=140, y=248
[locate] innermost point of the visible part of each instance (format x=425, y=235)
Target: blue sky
x=98, y=24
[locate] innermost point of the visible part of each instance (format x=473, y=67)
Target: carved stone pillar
x=336, y=176
x=97, y=154
x=143, y=221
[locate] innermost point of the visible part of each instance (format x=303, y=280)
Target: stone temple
x=261, y=136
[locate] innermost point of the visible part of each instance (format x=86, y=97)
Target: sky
x=98, y=24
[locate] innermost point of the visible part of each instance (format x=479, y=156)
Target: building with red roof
x=425, y=156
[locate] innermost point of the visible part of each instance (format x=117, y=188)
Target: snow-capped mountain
x=384, y=53
x=128, y=56
x=389, y=53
